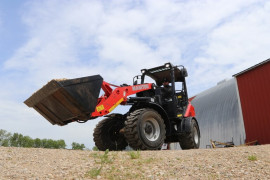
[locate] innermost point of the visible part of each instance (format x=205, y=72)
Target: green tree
x=77, y=146
x=61, y=144
x=18, y=140
x=44, y=143
x=37, y=143
x=95, y=148
x=50, y=144
x=27, y=142
x=14, y=140
x=4, y=138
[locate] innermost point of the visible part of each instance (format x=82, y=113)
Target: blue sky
x=43, y=40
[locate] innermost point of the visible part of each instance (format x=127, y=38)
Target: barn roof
x=252, y=67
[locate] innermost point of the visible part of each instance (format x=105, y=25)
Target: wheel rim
x=151, y=129
x=196, y=135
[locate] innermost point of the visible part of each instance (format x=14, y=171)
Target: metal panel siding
x=219, y=115
x=254, y=91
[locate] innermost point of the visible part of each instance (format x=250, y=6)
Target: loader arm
x=113, y=97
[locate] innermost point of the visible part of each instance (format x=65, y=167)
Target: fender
x=185, y=126
x=190, y=111
x=151, y=105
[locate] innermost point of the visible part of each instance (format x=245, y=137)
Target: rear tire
x=191, y=140
x=145, y=130
x=107, y=136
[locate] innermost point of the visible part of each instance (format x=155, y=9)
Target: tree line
x=18, y=140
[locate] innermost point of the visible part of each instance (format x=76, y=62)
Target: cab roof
x=161, y=72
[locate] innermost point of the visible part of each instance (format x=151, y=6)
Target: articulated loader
x=153, y=119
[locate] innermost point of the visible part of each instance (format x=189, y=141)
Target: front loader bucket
x=64, y=101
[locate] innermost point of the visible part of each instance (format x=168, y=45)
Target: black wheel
x=107, y=136
x=145, y=129
x=191, y=140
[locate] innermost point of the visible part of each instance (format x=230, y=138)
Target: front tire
x=107, y=136
x=145, y=129
x=191, y=140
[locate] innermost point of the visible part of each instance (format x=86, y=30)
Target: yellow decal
x=100, y=108
x=114, y=106
x=179, y=115
x=179, y=97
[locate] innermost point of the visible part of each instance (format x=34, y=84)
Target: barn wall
x=254, y=91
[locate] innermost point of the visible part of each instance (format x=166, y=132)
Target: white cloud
x=253, y=28
x=214, y=39
x=143, y=35
x=237, y=44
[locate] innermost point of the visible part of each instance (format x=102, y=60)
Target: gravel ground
x=251, y=162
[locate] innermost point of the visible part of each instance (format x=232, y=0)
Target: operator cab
x=175, y=75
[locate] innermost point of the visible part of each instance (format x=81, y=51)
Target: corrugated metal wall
x=219, y=115
x=254, y=91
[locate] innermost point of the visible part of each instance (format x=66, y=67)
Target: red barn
x=254, y=91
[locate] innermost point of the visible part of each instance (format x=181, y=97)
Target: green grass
x=105, y=157
x=94, y=155
x=102, y=159
x=252, y=158
x=149, y=160
x=134, y=154
x=94, y=172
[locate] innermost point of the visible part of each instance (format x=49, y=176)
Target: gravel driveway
x=251, y=162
